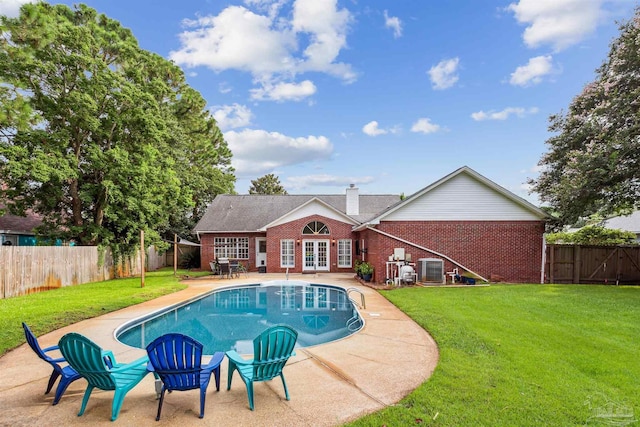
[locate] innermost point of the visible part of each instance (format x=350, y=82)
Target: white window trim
x=231, y=244
x=349, y=254
x=292, y=245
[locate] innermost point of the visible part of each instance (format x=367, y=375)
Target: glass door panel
x=315, y=255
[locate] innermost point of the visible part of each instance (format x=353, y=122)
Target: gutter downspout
x=425, y=249
x=544, y=258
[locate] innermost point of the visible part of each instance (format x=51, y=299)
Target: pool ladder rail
x=362, y=302
x=354, y=323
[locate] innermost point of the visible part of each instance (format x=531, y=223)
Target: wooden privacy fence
x=28, y=269
x=592, y=264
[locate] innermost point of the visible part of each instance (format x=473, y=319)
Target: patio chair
x=214, y=267
x=66, y=373
x=271, y=350
x=239, y=269
x=177, y=359
x=100, y=369
x=224, y=267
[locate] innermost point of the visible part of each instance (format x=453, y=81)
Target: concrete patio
x=329, y=384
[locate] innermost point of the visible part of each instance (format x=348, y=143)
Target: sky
x=388, y=95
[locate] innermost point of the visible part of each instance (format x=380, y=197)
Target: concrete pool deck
x=329, y=384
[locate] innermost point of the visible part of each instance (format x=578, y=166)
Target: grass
x=47, y=311
x=522, y=355
x=516, y=355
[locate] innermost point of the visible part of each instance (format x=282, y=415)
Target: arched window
x=315, y=227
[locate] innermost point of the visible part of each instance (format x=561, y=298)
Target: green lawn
x=510, y=355
x=522, y=355
x=51, y=310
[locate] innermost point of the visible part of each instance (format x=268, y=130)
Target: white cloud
x=272, y=7
x=326, y=27
x=443, y=75
x=394, y=23
x=284, y=91
x=372, y=129
x=533, y=72
x=224, y=87
x=558, y=23
x=273, y=46
x=301, y=182
x=236, y=39
x=11, y=8
x=425, y=126
x=232, y=116
x=504, y=114
x=257, y=152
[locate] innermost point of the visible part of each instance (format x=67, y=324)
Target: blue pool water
x=229, y=319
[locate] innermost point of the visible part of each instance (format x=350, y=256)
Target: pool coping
x=329, y=384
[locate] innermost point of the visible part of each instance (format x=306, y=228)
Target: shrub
x=593, y=235
x=190, y=260
x=365, y=268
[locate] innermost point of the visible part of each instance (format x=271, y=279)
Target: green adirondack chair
x=271, y=350
x=100, y=369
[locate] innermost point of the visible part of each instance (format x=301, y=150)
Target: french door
x=315, y=255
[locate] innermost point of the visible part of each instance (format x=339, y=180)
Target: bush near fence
x=29, y=269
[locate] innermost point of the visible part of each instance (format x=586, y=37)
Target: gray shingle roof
x=251, y=212
x=19, y=224
x=626, y=223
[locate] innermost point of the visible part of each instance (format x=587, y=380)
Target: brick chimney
x=353, y=200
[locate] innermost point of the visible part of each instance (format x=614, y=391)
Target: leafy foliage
x=268, y=184
x=364, y=268
x=593, y=235
x=593, y=163
x=190, y=260
x=98, y=136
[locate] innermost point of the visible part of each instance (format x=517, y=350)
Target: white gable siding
x=313, y=208
x=459, y=199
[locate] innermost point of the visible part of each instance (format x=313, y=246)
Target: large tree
x=100, y=137
x=593, y=163
x=268, y=184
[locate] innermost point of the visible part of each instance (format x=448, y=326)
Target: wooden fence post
x=175, y=255
x=142, y=258
x=551, y=262
x=577, y=263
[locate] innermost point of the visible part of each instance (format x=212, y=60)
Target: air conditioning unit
x=431, y=270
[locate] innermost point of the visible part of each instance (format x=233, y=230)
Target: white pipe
x=544, y=258
x=426, y=249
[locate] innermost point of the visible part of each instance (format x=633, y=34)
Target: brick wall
x=508, y=251
x=293, y=230
x=498, y=250
x=207, y=253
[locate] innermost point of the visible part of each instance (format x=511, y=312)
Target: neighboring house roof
x=238, y=213
x=12, y=224
x=625, y=223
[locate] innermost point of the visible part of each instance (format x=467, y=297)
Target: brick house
x=463, y=221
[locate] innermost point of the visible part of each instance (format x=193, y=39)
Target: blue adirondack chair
x=66, y=373
x=271, y=350
x=100, y=369
x=177, y=360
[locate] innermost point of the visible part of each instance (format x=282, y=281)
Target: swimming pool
x=230, y=318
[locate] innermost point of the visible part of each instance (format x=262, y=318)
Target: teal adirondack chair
x=271, y=350
x=100, y=369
